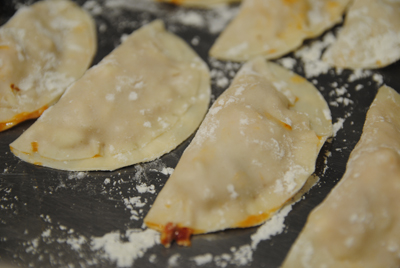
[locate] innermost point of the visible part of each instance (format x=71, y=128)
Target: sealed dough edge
x=28, y=148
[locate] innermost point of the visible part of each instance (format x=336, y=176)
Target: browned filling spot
x=173, y=232
x=22, y=117
x=35, y=146
x=15, y=88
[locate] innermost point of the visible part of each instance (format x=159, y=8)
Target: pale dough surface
x=141, y=101
x=358, y=224
x=43, y=49
x=254, y=150
x=272, y=28
x=370, y=37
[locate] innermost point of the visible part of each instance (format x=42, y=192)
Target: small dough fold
x=140, y=102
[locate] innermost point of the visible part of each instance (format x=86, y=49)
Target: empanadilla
x=140, y=102
x=43, y=49
x=358, y=224
x=272, y=28
x=370, y=37
x=254, y=150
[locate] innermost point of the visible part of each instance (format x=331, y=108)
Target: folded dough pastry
x=272, y=28
x=358, y=224
x=254, y=150
x=43, y=49
x=199, y=3
x=370, y=37
x=138, y=103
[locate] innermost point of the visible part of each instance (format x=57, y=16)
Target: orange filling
x=297, y=79
x=35, y=146
x=173, y=232
x=253, y=220
x=22, y=117
x=288, y=127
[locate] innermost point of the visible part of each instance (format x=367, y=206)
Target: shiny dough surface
x=358, y=224
x=272, y=28
x=370, y=37
x=254, y=150
x=141, y=101
x=43, y=49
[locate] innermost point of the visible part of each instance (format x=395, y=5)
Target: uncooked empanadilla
x=370, y=37
x=358, y=224
x=272, y=28
x=198, y=3
x=141, y=101
x=254, y=150
x=43, y=49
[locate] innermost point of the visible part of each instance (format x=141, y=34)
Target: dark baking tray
x=34, y=199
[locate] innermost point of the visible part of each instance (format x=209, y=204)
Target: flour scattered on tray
x=190, y=18
x=124, y=252
x=311, y=54
x=173, y=261
x=203, y=259
x=359, y=74
x=272, y=227
x=338, y=125
x=167, y=170
x=77, y=175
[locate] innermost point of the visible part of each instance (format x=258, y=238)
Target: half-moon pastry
x=254, y=150
x=358, y=224
x=43, y=49
x=370, y=37
x=272, y=28
x=141, y=101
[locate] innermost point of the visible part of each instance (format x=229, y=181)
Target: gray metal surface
x=75, y=206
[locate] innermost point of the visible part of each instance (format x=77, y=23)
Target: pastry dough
x=254, y=150
x=138, y=103
x=370, y=37
x=358, y=224
x=272, y=28
x=43, y=49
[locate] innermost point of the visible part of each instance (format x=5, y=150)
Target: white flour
x=124, y=253
x=272, y=227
